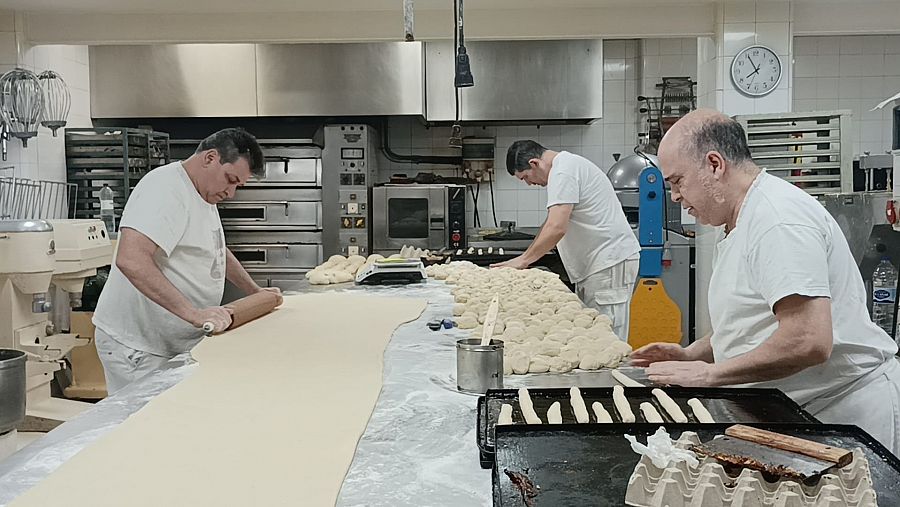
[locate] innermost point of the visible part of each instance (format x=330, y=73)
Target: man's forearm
x=236, y=274
x=776, y=358
x=151, y=282
x=547, y=238
x=701, y=350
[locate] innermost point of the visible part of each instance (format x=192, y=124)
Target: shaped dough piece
x=539, y=364
x=547, y=348
x=625, y=380
x=700, y=412
x=650, y=413
x=505, y=417
x=571, y=357
x=578, y=407
x=464, y=322
x=601, y=413
x=519, y=362
x=590, y=361
x=527, y=407
x=554, y=415
x=670, y=406
x=622, y=406
x=459, y=309
x=560, y=365
x=321, y=277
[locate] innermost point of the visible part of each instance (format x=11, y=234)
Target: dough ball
x=356, y=259
x=571, y=357
x=590, y=362
x=564, y=325
x=334, y=259
x=466, y=322
x=547, y=348
x=507, y=367
x=519, y=363
x=459, y=309
x=583, y=322
x=560, y=365
x=603, y=319
x=539, y=364
x=589, y=312
x=374, y=257
x=321, y=277
x=547, y=311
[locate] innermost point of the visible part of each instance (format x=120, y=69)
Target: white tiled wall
x=44, y=158
x=850, y=72
x=616, y=132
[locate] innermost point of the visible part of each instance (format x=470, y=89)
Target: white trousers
x=123, y=365
x=609, y=292
x=874, y=406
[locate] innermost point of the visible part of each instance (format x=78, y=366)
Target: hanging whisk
x=57, y=100
x=21, y=103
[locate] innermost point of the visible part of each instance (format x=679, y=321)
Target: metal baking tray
x=725, y=404
x=589, y=464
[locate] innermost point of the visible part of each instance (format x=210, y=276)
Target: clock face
x=756, y=71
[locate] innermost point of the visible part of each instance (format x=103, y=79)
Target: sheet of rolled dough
x=271, y=416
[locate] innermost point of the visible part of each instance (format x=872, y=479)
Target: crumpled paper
x=661, y=450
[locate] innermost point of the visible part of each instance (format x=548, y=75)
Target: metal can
x=12, y=389
x=479, y=367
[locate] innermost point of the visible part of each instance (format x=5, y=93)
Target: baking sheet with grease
x=725, y=404
x=590, y=464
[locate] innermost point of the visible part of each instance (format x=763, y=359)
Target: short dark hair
x=233, y=143
x=724, y=135
x=519, y=153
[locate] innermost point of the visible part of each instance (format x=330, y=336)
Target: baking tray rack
x=589, y=464
x=725, y=404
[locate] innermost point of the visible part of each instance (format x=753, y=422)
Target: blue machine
x=651, y=216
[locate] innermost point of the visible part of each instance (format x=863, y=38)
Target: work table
x=419, y=442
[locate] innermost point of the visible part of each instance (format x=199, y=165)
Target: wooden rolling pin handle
x=251, y=307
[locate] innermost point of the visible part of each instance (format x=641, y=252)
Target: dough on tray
x=554, y=414
x=670, y=406
x=650, y=413
x=622, y=405
x=527, y=407
x=700, y=413
x=578, y=407
x=601, y=413
x=505, y=417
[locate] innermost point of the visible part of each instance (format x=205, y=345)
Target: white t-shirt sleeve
x=156, y=210
x=562, y=189
x=787, y=260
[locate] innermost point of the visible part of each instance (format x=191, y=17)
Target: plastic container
x=884, y=293
x=108, y=210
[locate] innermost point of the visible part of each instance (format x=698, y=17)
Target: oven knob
x=455, y=236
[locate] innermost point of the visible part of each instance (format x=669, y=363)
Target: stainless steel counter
x=419, y=443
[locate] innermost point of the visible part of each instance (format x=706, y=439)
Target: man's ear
x=534, y=163
x=716, y=163
x=210, y=156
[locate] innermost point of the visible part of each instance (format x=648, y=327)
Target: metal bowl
x=12, y=389
x=626, y=173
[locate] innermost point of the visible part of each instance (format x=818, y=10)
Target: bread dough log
x=671, y=407
x=527, y=407
x=700, y=411
x=554, y=415
x=601, y=413
x=650, y=413
x=505, y=415
x=625, y=380
x=581, y=413
x=622, y=406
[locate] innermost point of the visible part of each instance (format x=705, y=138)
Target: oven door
x=409, y=215
x=254, y=208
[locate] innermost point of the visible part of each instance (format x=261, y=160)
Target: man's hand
x=649, y=354
x=682, y=373
x=276, y=291
x=515, y=262
x=220, y=317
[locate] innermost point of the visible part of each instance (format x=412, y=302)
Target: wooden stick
x=490, y=320
x=842, y=457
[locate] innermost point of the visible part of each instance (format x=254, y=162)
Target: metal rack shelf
x=811, y=150
x=116, y=156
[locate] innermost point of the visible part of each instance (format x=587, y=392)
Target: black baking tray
x=725, y=404
x=582, y=464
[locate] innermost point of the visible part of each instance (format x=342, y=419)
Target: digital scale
x=392, y=271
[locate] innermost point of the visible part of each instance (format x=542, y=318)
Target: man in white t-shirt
x=171, y=263
x=586, y=223
x=786, y=300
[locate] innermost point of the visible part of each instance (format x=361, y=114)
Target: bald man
x=786, y=300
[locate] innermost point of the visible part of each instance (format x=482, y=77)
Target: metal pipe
x=415, y=159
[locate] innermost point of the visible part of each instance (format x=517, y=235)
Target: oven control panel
x=456, y=217
x=349, y=160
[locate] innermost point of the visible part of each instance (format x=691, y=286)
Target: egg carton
x=708, y=485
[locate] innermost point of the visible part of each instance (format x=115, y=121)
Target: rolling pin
x=246, y=309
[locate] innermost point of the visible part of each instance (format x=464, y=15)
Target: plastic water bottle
x=884, y=288
x=107, y=210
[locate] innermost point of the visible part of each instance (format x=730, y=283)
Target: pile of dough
x=410, y=252
x=539, y=318
x=340, y=269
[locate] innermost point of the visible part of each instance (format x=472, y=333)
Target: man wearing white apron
x=586, y=223
x=786, y=300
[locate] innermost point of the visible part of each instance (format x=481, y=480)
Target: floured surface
x=271, y=417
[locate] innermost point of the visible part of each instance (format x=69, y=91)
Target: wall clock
x=756, y=71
